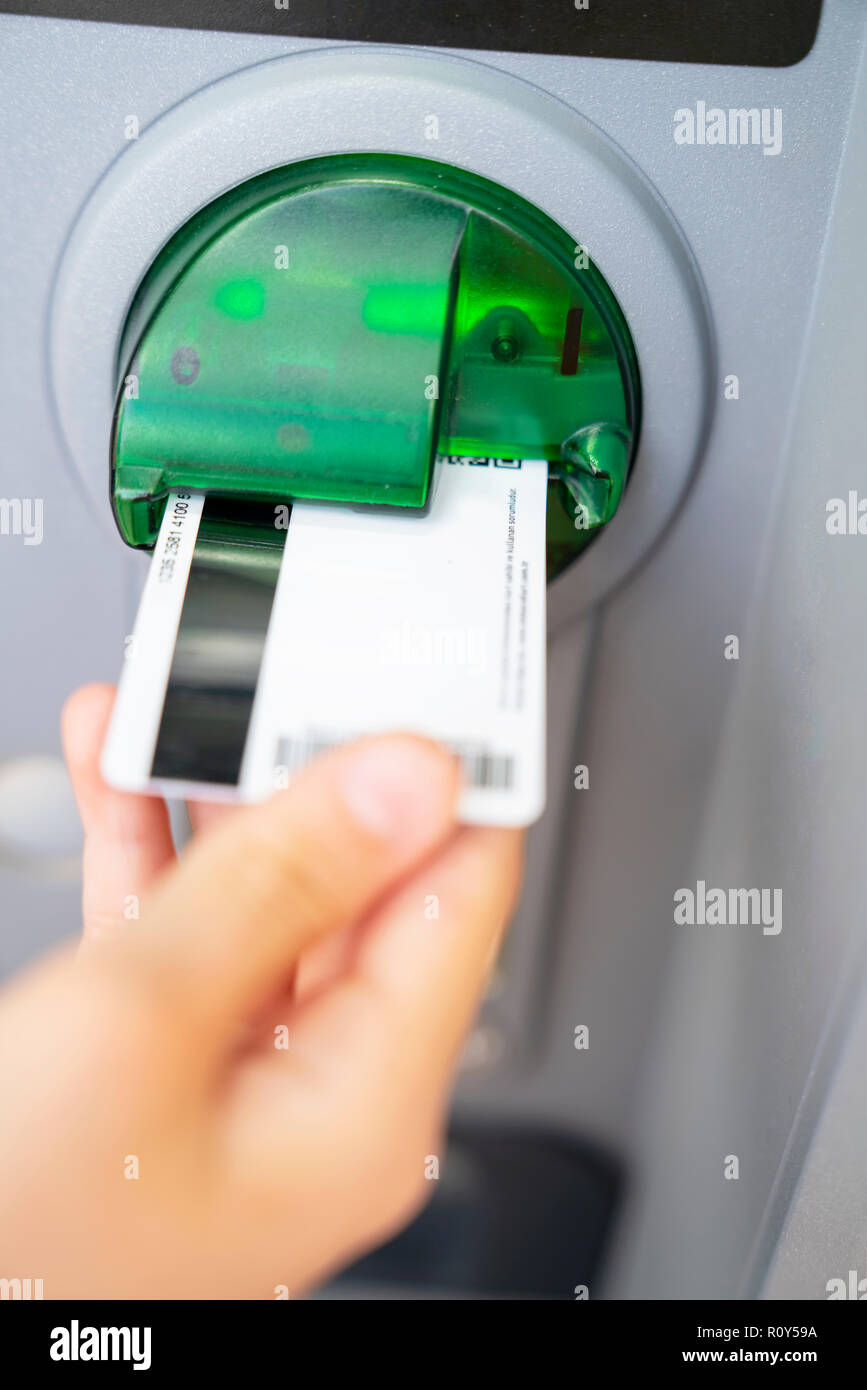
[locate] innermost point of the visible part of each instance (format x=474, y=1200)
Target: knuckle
x=410, y=1192
x=396, y=1176
x=284, y=870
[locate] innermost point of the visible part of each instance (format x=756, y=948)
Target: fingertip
x=128, y=838
x=117, y=817
x=401, y=787
x=83, y=722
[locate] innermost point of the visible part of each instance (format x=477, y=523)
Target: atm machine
x=626, y=239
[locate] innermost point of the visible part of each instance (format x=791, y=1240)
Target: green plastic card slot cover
x=326, y=329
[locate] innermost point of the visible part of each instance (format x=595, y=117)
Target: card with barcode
x=267, y=635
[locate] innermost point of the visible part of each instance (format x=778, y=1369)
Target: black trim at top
x=746, y=33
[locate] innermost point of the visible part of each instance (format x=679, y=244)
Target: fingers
x=246, y=898
x=205, y=814
x=370, y=1060
x=127, y=839
x=431, y=950
x=420, y=969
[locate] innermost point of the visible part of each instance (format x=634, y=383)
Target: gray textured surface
x=752, y=1028
x=698, y=765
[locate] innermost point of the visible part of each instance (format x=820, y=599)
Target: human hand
x=158, y=1140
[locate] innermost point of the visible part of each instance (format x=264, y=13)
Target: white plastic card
x=381, y=620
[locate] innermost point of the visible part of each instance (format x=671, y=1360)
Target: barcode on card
x=483, y=769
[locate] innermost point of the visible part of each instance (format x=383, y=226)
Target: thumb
x=247, y=897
